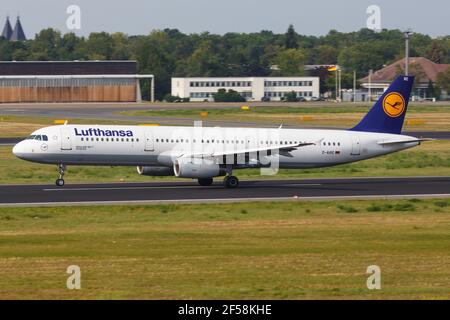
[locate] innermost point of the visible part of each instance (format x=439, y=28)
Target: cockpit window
x=37, y=137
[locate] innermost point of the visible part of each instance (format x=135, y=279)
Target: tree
x=290, y=41
x=231, y=96
x=290, y=97
x=436, y=52
x=46, y=45
x=443, y=80
x=362, y=57
x=120, y=47
x=170, y=53
x=72, y=48
x=205, y=61
x=99, y=46
x=290, y=62
x=431, y=90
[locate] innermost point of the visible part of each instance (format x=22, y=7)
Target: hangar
x=71, y=81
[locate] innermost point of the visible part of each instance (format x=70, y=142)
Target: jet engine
x=155, y=171
x=197, y=168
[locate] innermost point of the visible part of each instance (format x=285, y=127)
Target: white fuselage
x=161, y=145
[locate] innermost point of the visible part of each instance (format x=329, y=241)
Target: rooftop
x=424, y=70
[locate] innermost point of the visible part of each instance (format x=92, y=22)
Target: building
x=7, y=30
x=252, y=88
x=71, y=81
x=16, y=34
x=423, y=69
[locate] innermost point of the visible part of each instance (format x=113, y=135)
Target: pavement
x=251, y=190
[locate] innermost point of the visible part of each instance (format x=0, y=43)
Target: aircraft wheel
x=231, y=182
x=205, y=181
x=60, y=182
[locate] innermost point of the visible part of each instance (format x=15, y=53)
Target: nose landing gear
x=60, y=181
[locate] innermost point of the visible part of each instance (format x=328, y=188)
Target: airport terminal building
x=251, y=88
x=71, y=81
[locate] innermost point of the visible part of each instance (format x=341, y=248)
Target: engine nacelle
x=155, y=171
x=197, y=168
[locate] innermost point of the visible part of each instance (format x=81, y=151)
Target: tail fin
x=389, y=111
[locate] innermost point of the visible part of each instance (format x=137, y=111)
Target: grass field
x=429, y=159
x=289, y=250
x=419, y=117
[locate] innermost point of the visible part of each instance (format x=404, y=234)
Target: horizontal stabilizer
x=388, y=142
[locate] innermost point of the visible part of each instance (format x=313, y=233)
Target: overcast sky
x=312, y=17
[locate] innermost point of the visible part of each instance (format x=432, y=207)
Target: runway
x=255, y=190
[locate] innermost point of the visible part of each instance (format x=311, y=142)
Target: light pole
x=336, y=83
x=370, y=85
x=407, y=34
x=354, y=86
x=340, y=85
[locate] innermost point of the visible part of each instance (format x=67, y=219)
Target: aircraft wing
x=281, y=148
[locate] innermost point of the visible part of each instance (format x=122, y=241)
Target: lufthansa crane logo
x=394, y=104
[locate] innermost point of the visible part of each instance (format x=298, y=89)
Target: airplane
x=205, y=153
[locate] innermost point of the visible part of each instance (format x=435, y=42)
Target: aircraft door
x=149, y=142
x=356, y=146
x=66, y=139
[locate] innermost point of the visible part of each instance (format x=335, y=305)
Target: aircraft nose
x=18, y=150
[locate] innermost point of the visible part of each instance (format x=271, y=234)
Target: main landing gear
x=60, y=181
x=229, y=182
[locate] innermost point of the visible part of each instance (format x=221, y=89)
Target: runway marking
x=220, y=200
x=167, y=187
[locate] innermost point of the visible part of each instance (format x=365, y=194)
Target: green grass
x=429, y=159
x=220, y=112
x=287, y=250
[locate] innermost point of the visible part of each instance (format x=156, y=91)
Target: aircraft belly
x=94, y=159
